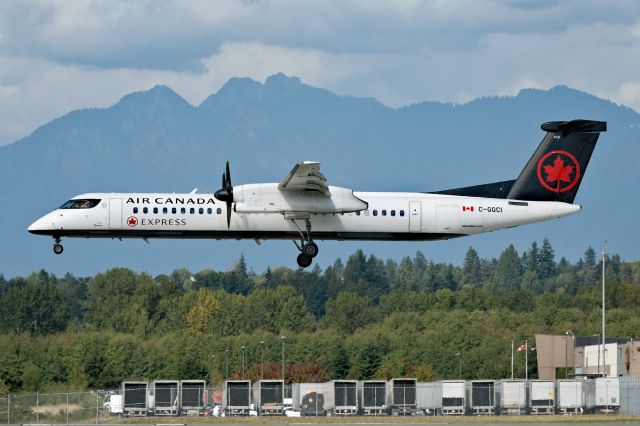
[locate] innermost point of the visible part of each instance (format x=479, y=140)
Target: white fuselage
x=389, y=216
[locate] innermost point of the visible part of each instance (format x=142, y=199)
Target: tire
x=310, y=249
x=304, y=260
x=58, y=249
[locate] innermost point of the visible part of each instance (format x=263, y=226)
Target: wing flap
x=305, y=176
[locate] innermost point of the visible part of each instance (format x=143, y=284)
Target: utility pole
x=512, y=360
x=262, y=360
x=283, y=338
x=604, y=257
x=526, y=360
x=459, y=365
x=226, y=364
x=242, y=351
x=213, y=370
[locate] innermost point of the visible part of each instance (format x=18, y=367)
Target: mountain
x=154, y=141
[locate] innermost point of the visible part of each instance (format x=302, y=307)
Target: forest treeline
x=364, y=318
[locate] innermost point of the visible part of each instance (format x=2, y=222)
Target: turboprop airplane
x=304, y=207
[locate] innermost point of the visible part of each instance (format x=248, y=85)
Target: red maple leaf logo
x=132, y=221
x=558, y=172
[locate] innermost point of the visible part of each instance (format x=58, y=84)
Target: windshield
x=80, y=204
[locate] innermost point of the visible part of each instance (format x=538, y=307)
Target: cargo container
x=482, y=397
x=571, y=396
x=268, y=397
x=192, y=397
x=512, y=397
x=453, y=397
x=115, y=405
x=607, y=394
x=166, y=397
x=542, y=396
x=401, y=394
x=135, y=398
x=374, y=398
x=236, y=398
x=429, y=397
x=340, y=397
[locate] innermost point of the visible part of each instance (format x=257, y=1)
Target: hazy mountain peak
x=281, y=80
x=158, y=95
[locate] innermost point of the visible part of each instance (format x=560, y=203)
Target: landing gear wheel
x=57, y=248
x=310, y=249
x=304, y=260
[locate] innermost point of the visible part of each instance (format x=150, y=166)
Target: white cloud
x=56, y=56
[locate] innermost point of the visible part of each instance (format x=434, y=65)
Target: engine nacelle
x=267, y=198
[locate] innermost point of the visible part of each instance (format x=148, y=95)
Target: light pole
x=213, y=370
x=573, y=337
x=262, y=360
x=604, y=258
x=459, y=365
x=226, y=364
x=282, y=339
x=242, y=351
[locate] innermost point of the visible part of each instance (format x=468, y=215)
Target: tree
x=201, y=317
x=590, y=257
x=508, y=274
x=547, y=268
x=471, y=276
x=348, y=312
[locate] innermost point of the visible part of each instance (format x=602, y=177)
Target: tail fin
x=557, y=167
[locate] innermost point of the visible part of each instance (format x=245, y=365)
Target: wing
x=305, y=176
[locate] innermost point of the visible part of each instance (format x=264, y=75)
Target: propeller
x=225, y=193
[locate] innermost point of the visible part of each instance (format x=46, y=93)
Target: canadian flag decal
x=467, y=208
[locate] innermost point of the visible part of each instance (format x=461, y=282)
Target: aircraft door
x=115, y=213
x=415, y=213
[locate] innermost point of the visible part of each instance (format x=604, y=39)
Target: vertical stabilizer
x=557, y=167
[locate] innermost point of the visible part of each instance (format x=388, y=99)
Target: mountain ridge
x=155, y=141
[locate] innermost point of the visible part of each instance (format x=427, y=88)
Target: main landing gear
x=308, y=249
x=57, y=247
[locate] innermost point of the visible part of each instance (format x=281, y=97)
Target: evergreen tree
x=508, y=272
x=471, y=274
x=547, y=264
x=590, y=257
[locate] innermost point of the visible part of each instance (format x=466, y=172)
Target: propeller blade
x=228, y=174
x=228, y=214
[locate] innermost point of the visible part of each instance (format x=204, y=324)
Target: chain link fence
x=397, y=397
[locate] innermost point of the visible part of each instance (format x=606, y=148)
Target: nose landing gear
x=57, y=247
x=308, y=249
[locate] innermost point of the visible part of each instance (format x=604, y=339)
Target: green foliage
x=364, y=319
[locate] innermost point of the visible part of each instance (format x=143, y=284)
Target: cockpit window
x=80, y=204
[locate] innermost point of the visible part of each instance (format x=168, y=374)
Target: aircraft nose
x=43, y=225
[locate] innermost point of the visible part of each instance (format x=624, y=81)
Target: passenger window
x=393, y=212
x=384, y=212
x=183, y=210
x=165, y=210
x=219, y=210
x=375, y=212
x=155, y=210
x=357, y=213
x=201, y=210
x=192, y=210
x=145, y=210
x=209, y=210
x=366, y=212
x=401, y=212
x=174, y=210
x=135, y=210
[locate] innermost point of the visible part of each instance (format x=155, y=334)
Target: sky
x=58, y=56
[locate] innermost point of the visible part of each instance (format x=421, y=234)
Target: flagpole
x=512, y=360
x=526, y=360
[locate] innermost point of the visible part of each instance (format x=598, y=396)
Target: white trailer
x=135, y=397
x=607, y=394
x=166, y=397
x=402, y=396
x=373, y=395
x=512, y=397
x=453, y=397
x=542, y=396
x=482, y=400
x=341, y=397
x=236, y=399
x=429, y=397
x=268, y=396
x=192, y=397
x=571, y=396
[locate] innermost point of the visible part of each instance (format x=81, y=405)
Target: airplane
x=304, y=207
